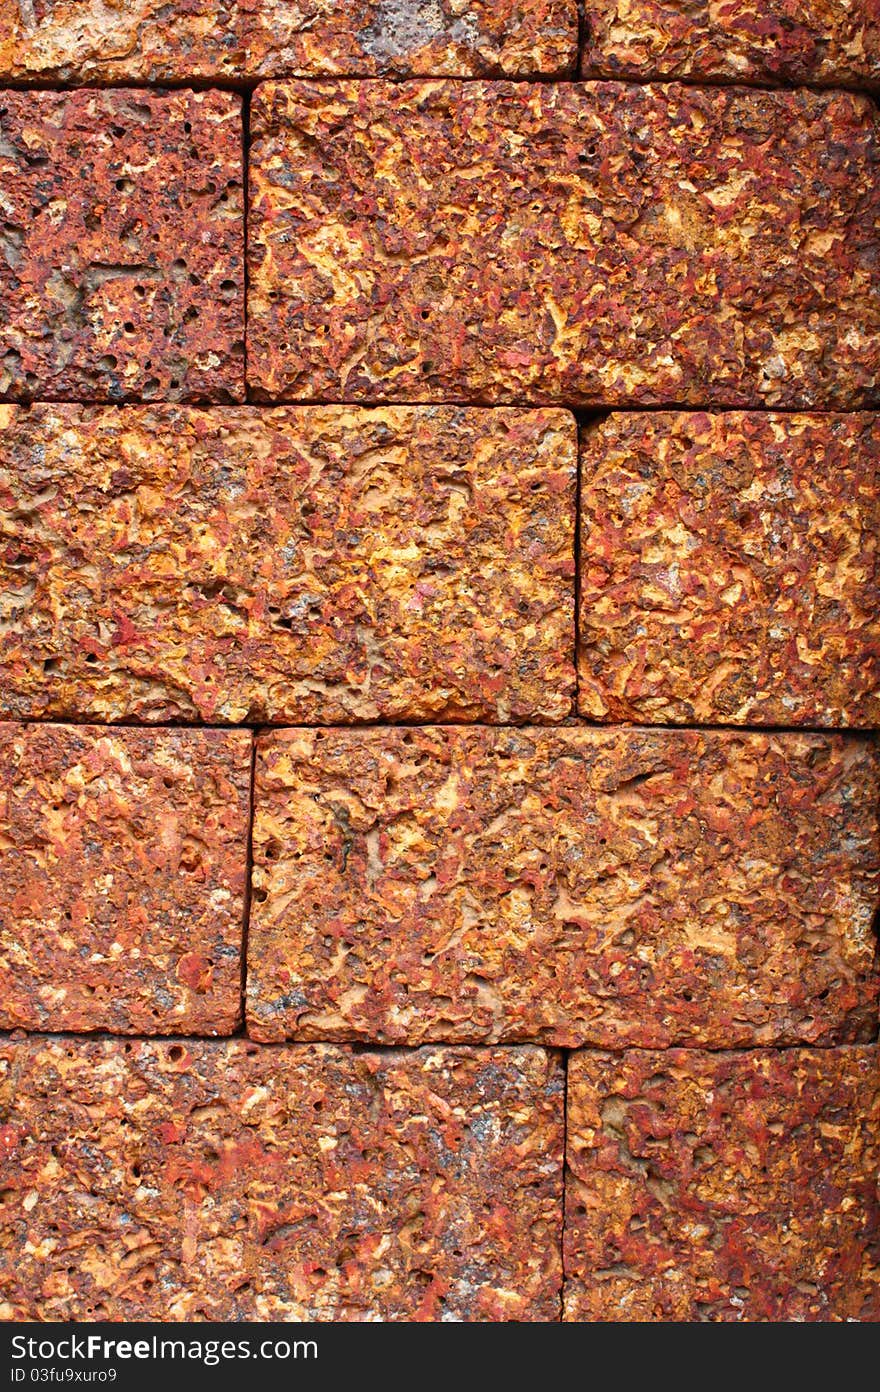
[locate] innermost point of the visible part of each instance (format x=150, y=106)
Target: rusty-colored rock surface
x=730, y=570
x=737, y=1186
x=121, y=245
x=152, y=41
x=123, y=859
x=834, y=43
x=573, y=886
x=317, y=564
x=585, y=244
x=221, y=1181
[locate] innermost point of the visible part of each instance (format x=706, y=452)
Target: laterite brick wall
x=439, y=653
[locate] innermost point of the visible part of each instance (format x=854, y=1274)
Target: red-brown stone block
x=123, y=860
x=729, y=1186
x=318, y=564
x=832, y=43
x=121, y=245
x=629, y=887
x=154, y=41
x=221, y=1181
x=730, y=570
x=593, y=244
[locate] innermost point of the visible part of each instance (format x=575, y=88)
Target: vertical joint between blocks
x=248, y=885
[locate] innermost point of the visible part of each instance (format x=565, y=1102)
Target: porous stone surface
x=834, y=43
x=729, y=1186
x=153, y=41
x=730, y=570
x=191, y=1180
x=317, y=564
x=123, y=860
x=629, y=887
x=121, y=245
x=592, y=244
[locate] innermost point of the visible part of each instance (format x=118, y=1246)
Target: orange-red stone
x=121, y=246
x=728, y=1186
x=319, y=565
x=221, y=1181
x=577, y=244
x=185, y=40
x=123, y=860
x=629, y=887
x=730, y=569
x=832, y=43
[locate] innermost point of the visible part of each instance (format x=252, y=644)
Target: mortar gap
x=562, y=77
x=584, y=415
x=874, y=931
x=566, y=1057
x=245, y=197
x=578, y=484
x=248, y=887
x=16, y=1034
x=583, y=36
x=852, y=733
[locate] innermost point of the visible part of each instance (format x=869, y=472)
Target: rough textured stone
x=320, y=564
x=222, y=1181
x=738, y=1186
x=585, y=244
x=121, y=245
x=153, y=41
x=823, y=42
x=730, y=569
x=572, y=886
x=123, y=859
